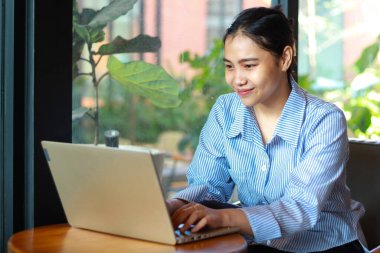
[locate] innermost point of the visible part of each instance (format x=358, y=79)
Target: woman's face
x=255, y=74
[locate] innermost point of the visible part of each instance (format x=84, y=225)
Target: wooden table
x=63, y=238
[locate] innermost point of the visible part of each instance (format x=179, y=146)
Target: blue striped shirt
x=293, y=189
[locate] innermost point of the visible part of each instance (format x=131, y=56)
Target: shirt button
x=263, y=167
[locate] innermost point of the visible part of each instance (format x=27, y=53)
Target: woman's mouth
x=244, y=92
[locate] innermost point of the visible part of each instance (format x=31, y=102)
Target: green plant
x=202, y=90
x=363, y=103
x=137, y=77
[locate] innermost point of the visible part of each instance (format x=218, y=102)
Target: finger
x=186, y=209
x=187, y=218
x=197, y=213
x=182, y=214
x=200, y=225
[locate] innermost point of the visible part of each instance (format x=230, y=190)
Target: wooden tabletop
x=63, y=238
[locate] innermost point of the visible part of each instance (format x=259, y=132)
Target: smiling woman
x=283, y=149
x=258, y=69
x=259, y=78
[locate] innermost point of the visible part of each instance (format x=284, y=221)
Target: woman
x=284, y=149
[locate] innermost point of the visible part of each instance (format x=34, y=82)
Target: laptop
x=115, y=191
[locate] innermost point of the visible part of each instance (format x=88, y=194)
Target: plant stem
x=101, y=78
x=84, y=74
x=84, y=59
x=96, y=87
x=96, y=140
x=96, y=64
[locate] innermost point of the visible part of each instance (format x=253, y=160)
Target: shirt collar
x=245, y=124
x=292, y=116
x=288, y=127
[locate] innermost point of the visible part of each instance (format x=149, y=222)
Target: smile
x=244, y=92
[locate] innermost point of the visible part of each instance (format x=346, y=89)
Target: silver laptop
x=116, y=191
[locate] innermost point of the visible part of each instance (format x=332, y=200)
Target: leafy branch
x=138, y=77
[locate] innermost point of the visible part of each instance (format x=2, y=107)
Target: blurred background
x=337, y=59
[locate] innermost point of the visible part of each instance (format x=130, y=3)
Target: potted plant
x=138, y=77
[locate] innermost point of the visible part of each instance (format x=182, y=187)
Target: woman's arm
x=208, y=174
x=199, y=216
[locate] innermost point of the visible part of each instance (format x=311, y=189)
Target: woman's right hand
x=174, y=204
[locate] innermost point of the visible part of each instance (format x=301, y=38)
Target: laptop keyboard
x=180, y=234
x=189, y=236
x=185, y=234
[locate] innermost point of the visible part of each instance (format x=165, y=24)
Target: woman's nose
x=240, y=79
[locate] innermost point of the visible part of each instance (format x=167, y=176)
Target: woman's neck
x=268, y=114
x=273, y=108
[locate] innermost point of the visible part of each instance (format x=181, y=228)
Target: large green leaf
x=147, y=80
x=86, y=16
x=87, y=34
x=77, y=47
x=111, y=12
x=82, y=32
x=368, y=56
x=360, y=118
x=140, y=44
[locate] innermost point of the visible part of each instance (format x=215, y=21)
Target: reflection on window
x=338, y=59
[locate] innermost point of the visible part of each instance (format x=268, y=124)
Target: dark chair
x=363, y=178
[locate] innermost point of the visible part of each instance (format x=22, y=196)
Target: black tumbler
x=111, y=138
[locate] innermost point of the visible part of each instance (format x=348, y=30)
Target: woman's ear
x=286, y=58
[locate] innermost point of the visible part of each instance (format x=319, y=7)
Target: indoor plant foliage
x=364, y=98
x=137, y=77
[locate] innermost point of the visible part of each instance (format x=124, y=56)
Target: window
x=220, y=15
x=338, y=44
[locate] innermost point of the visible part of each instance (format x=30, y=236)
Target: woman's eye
x=229, y=67
x=249, y=66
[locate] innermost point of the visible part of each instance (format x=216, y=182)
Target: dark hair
x=268, y=27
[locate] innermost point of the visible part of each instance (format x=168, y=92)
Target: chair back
x=363, y=178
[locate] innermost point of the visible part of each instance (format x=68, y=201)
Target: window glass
x=338, y=59
x=152, y=72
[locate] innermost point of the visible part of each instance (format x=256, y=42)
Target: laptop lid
x=111, y=190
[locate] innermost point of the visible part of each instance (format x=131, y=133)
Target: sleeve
x=208, y=175
x=311, y=183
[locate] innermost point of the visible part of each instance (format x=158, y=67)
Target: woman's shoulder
x=228, y=102
x=319, y=112
x=226, y=108
x=318, y=105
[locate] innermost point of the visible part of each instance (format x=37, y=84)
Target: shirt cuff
x=196, y=193
x=263, y=223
